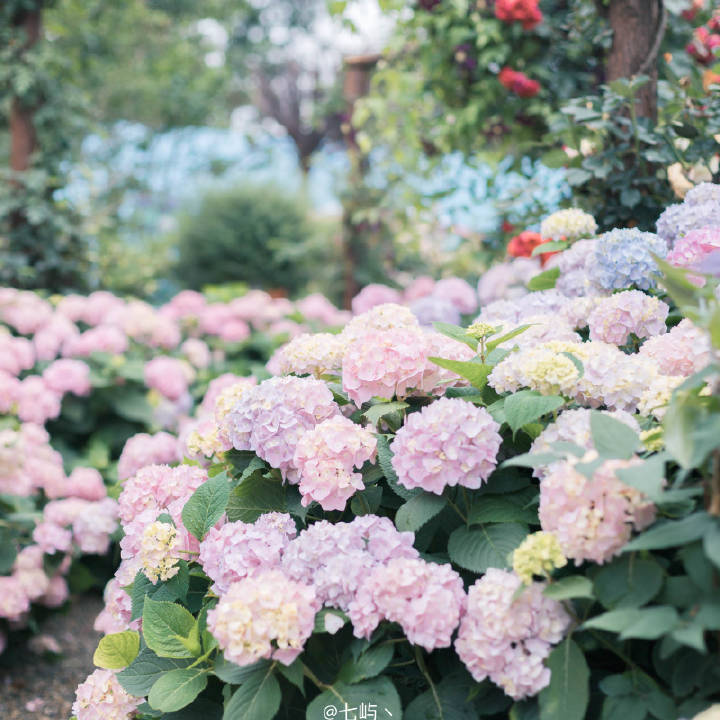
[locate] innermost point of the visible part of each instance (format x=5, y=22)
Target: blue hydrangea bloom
x=623, y=258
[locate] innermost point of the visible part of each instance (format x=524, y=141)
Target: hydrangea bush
x=80, y=376
x=518, y=518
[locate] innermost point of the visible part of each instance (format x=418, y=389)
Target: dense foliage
x=519, y=518
x=259, y=235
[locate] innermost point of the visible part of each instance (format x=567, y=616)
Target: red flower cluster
x=519, y=83
x=522, y=245
x=693, y=10
x=526, y=12
x=705, y=39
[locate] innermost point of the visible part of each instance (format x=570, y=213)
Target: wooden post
x=23, y=139
x=356, y=84
x=638, y=27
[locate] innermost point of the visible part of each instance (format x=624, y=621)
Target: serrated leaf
x=385, y=461
x=374, y=413
x=418, y=510
x=612, y=438
x=527, y=406
x=566, y=588
x=117, y=650
x=177, y=688
x=233, y=674
x=254, y=497
x=145, y=670
x=651, y=623
x=456, y=333
x=165, y=625
x=568, y=693
x=206, y=505
x=478, y=549
x=475, y=372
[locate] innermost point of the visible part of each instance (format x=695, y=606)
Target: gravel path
x=37, y=686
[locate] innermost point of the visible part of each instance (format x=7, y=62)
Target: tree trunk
x=638, y=26
x=23, y=140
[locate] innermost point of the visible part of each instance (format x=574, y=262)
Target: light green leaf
x=476, y=372
x=456, y=333
x=552, y=246
x=492, y=344
x=117, y=650
x=419, y=510
x=651, y=623
x=567, y=695
x=177, y=688
x=206, y=505
x=485, y=547
x=527, y=406
x=165, y=626
x=574, y=586
x=711, y=543
x=545, y=280
x=374, y=413
x=613, y=621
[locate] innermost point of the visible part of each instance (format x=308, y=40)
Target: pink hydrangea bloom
x=197, y=353
x=592, y=518
x=101, y=697
x=143, y=449
x=50, y=338
x=507, y=280
x=309, y=354
x=450, y=442
x=683, y=351
x=9, y=391
x=271, y=418
x=507, y=633
x=458, y=292
x=387, y=316
x=115, y=616
x=372, y=295
x=92, y=522
x=573, y=426
x=156, y=487
x=103, y=338
x=68, y=376
x=426, y=599
x=16, y=354
x=37, y=403
x=14, y=601
x=384, y=364
x=266, y=615
x=690, y=250
x=615, y=318
x=237, y=550
x=57, y=592
x=169, y=376
x=317, y=307
x=186, y=304
x=326, y=458
x=419, y=288
x=336, y=558
x=24, y=310
x=436, y=380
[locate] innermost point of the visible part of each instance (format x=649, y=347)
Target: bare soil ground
x=37, y=685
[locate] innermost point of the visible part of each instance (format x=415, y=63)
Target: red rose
x=526, y=12
x=522, y=245
x=519, y=83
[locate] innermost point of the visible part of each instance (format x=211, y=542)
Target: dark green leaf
x=481, y=548
x=177, y=688
x=206, y=505
x=418, y=510
x=567, y=695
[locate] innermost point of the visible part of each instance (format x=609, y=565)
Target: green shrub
x=245, y=234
